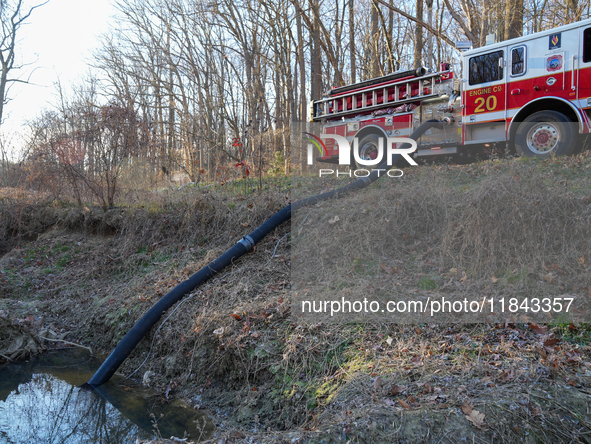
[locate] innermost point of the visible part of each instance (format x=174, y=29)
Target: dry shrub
x=157, y=218
x=194, y=217
x=23, y=214
x=514, y=221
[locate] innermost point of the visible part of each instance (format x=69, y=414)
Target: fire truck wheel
x=545, y=134
x=368, y=149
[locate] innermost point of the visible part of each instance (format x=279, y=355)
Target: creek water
x=41, y=402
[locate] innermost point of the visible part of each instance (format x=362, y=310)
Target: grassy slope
x=232, y=348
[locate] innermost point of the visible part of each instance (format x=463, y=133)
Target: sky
x=58, y=40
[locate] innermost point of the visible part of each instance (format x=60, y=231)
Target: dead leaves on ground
x=538, y=329
x=377, y=384
x=390, y=270
x=397, y=389
x=423, y=395
x=474, y=416
x=507, y=376
x=556, y=354
x=403, y=403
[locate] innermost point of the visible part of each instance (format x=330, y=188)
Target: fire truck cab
x=531, y=93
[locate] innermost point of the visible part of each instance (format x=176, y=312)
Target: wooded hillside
x=206, y=91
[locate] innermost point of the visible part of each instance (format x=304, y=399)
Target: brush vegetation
x=233, y=348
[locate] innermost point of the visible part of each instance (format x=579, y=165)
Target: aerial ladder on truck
x=387, y=107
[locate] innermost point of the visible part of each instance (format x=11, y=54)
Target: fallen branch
x=69, y=343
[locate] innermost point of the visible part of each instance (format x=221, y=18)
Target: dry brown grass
x=513, y=220
x=233, y=347
x=149, y=220
x=497, y=229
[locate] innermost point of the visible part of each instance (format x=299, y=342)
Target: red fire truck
x=532, y=94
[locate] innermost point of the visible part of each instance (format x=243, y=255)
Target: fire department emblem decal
x=554, y=63
x=554, y=41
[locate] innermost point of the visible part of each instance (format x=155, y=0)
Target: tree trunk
x=352, y=42
x=374, y=55
x=315, y=58
x=390, y=37
x=302, y=62
x=574, y=11
x=513, y=19
x=418, y=53
x=429, y=35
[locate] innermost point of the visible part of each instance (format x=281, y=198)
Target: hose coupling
x=247, y=242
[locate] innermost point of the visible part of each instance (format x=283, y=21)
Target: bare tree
x=513, y=19
x=209, y=89
x=13, y=16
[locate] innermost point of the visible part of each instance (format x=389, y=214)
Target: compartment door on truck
x=485, y=97
x=543, y=67
x=559, y=64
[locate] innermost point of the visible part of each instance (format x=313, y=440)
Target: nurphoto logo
x=344, y=154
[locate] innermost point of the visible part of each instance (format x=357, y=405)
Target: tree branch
x=475, y=41
x=420, y=22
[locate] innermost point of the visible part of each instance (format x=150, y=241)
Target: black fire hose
x=147, y=321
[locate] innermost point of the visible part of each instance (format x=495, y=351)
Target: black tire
x=546, y=134
x=368, y=149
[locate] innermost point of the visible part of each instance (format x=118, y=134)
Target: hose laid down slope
x=147, y=321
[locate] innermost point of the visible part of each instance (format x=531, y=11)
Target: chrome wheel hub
x=542, y=138
x=368, y=151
